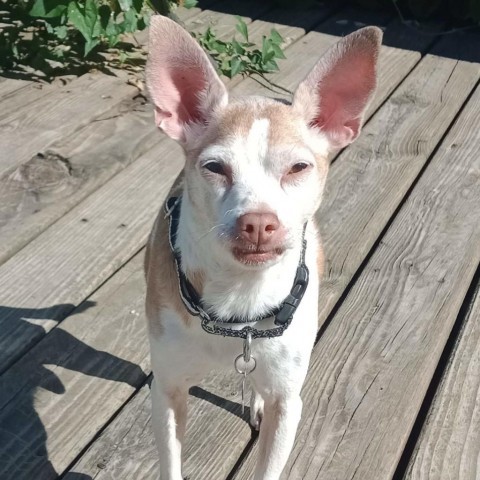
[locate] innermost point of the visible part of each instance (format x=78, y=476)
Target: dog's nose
x=258, y=228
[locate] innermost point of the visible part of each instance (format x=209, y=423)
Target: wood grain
x=449, y=444
x=63, y=265
x=382, y=164
x=9, y=86
x=371, y=368
x=67, y=387
x=37, y=115
x=28, y=130
x=38, y=192
x=394, y=64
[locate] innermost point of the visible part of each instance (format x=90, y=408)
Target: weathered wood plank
x=25, y=132
x=235, y=435
x=372, y=367
x=449, y=444
x=224, y=23
x=82, y=249
x=47, y=415
x=95, y=359
x=38, y=192
x=9, y=86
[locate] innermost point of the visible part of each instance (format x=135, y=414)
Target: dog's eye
x=297, y=168
x=215, y=167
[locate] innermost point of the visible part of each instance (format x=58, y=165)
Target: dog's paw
x=256, y=410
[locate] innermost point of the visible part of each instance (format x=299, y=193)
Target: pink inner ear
x=343, y=95
x=179, y=98
x=335, y=94
x=181, y=80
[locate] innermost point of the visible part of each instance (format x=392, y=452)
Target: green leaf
x=237, y=66
x=90, y=45
x=269, y=56
x=125, y=5
x=217, y=46
x=48, y=8
x=87, y=21
x=266, y=48
x=275, y=37
x=278, y=51
x=112, y=31
x=237, y=48
x=271, y=66
x=241, y=26
x=189, y=3
x=130, y=21
x=61, y=32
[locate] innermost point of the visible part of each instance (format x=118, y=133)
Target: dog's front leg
x=169, y=416
x=277, y=434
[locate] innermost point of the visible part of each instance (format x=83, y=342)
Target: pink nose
x=258, y=228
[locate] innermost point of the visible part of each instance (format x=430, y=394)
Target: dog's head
x=256, y=167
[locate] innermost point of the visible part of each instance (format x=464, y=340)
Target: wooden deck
x=393, y=390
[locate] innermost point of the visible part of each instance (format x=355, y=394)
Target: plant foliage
x=243, y=57
x=61, y=35
x=43, y=33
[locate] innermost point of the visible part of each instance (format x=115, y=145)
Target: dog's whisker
x=201, y=237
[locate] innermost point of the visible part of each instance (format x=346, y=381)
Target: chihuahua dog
x=237, y=241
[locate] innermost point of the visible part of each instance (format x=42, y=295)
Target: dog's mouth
x=257, y=256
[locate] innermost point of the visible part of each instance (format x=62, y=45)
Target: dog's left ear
x=335, y=94
x=181, y=79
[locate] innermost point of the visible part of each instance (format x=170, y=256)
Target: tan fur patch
x=320, y=259
x=160, y=272
x=238, y=118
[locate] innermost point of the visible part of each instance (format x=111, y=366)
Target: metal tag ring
x=247, y=370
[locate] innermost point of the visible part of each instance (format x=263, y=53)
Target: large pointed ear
x=336, y=93
x=181, y=79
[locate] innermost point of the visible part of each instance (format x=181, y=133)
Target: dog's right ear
x=181, y=79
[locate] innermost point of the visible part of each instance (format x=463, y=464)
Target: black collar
x=283, y=314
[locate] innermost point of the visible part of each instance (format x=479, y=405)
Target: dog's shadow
x=23, y=438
